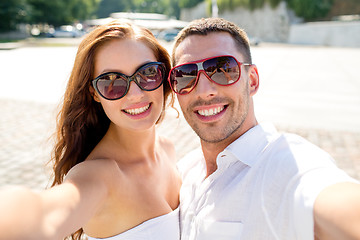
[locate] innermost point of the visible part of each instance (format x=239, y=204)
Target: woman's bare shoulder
x=100, y=164
x=95, y=170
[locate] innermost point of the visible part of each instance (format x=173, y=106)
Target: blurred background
x=316, y=22
x=307, y=53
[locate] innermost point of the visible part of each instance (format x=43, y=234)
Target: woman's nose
x=134, y=91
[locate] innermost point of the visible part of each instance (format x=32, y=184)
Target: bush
x=307, y=9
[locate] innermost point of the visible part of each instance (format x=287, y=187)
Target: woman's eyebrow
x=106, y=70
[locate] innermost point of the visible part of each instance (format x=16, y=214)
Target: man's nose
x=205, y=87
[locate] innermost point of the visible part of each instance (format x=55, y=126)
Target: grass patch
x=9, y=40
x=46, y=44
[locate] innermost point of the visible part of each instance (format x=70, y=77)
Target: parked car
x=254, y=40
x=66, y=31
x=168, y=35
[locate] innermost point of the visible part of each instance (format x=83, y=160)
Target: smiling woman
x=113, y=175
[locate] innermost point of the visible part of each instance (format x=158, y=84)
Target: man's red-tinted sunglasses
x=222, y=70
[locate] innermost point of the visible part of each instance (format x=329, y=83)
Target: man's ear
x=253, y=79
x=94, y=94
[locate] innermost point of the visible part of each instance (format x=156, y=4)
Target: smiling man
x=248, y=181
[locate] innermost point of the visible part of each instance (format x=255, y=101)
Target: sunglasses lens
x=183, y=78
x=112, y=86
x=150, y=77
x=115, y=85
x=222, y=70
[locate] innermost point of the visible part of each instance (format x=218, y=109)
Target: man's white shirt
x=264, y=188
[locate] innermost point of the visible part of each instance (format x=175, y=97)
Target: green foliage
x=84, y=9
x=44, y=11
x=59, y=12
x=12, y=12
x=106, y=7
x=150, y=6
x=189, y=3
x=308, y=9
x=311, y=9
x=54, y=12
x=173, y=9
x=168, y=7
x=274, y=3
x=256, y=4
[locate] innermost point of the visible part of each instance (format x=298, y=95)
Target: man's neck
x=212, y=150
x=210, y=155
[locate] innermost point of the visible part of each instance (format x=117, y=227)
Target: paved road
x=311, y=87
x=312, y=91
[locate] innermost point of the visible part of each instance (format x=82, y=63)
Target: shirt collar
x=249, y=145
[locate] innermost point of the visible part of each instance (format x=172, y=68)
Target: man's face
x=215, y=112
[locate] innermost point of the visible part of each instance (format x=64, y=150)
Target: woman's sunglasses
x=222, y=70
x=115, y=85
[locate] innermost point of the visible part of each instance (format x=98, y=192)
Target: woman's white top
x=164, y=227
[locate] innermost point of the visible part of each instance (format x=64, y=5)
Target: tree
x=173, y=8
x=83, y=9
x=150, y=6
x=106, y=7
x=13, y=12
x=189, y=3
x=311, y=9
x=60, y=12
x=307, y=9
x=52, y=12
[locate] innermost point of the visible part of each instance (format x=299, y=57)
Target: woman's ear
x=94, y=94
x=253, y=79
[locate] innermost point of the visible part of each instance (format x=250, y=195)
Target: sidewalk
x=25, y=128
x=38, y=42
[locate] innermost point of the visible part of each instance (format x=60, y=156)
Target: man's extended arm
x=337, y=212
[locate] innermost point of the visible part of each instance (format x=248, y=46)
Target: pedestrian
x=248, y=181
x=114, y=177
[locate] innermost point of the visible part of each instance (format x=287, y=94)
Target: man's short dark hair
x=204, y=26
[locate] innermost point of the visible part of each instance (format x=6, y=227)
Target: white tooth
x=217, y=110
x=135, y=111
x=210, y=112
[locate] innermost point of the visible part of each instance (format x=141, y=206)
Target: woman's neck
x=133, y=144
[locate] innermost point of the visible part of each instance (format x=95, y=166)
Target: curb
x=10, y=45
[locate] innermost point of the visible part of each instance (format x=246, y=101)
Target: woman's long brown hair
x=81, y=122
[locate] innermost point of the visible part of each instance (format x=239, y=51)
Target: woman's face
x=138, y=109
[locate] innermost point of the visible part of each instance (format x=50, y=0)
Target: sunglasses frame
x=200, y=66
x=129, y=79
